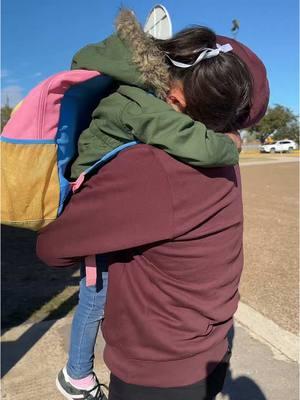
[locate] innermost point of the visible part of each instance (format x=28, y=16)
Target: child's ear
x=176, y=98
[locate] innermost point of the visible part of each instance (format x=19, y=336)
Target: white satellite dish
x=158, y=23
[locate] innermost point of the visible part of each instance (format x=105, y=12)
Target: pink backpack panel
x=40, y=140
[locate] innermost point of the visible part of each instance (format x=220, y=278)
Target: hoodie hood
x=130, y=56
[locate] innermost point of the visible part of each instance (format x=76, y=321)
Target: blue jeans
x=85, y=326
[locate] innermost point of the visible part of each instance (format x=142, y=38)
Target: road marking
x=268, y=331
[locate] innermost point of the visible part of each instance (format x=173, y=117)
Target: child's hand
x=235, y=136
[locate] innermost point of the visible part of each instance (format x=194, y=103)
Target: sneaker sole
x=64, y=393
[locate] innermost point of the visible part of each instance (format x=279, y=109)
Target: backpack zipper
x=42, y=106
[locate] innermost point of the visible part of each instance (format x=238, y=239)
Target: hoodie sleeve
x=121, y=207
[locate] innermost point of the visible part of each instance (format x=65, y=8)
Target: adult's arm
x=126, y=204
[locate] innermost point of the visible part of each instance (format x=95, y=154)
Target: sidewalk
x=258, y=371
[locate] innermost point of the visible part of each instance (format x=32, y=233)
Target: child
x=190, y=74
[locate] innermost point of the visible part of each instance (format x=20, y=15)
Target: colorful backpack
x=39, y=142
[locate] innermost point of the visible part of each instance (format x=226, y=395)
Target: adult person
x=172, y=236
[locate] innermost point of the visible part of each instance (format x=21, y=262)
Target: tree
x=289, y=132
x=280, y=122
x=5, y=115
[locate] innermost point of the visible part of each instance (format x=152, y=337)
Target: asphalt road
x=270, y=281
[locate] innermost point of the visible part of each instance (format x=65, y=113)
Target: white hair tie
x=205, y=53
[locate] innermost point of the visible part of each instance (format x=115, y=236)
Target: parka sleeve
x=154, y=122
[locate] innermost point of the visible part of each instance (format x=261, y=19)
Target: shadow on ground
x=242, y=387
x=27, y=283
x=31, y=291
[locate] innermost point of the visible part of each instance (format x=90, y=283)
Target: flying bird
x=235, y=27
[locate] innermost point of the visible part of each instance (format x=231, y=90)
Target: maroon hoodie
x=173, y=237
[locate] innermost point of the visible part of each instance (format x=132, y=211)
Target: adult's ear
x=176, y=97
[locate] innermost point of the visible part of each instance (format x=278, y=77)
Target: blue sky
x=39, y=37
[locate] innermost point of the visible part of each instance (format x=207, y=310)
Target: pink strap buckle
x=90, y=271
x=79, y=181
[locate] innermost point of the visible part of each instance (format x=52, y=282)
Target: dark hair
x=218, y=90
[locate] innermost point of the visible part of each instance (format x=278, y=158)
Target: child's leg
x=85, y=327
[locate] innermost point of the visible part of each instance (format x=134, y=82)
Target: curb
x=268, y=331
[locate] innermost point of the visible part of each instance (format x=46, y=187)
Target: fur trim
x=149, y=60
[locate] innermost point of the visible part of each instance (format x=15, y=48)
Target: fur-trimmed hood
x=130, y=56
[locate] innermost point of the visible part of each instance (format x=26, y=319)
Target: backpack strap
x=98, y=164
x=90, y=261
x=90, y=271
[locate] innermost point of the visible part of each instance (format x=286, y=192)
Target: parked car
x=281, y=146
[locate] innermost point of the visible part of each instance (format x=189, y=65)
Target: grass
x=255, y=155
